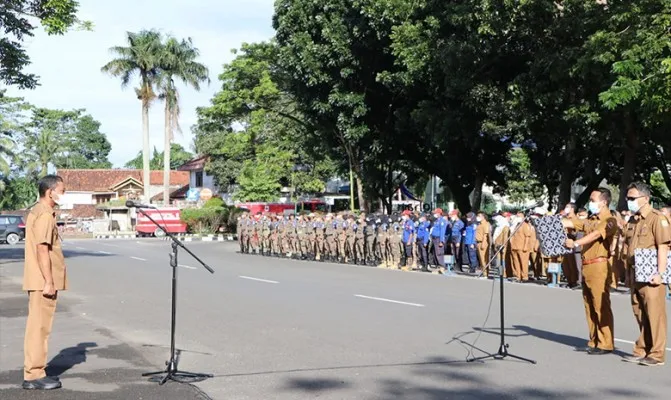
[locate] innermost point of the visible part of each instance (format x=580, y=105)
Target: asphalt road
x=270, y=328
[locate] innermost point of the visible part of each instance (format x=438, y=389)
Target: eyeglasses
x=633, y=198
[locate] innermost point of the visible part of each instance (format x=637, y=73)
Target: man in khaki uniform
x=520, y=248
x=600, y=229
x=648, y=229
x=482, y=233
x=43, y=276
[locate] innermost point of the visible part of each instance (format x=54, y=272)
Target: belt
x=595, y=260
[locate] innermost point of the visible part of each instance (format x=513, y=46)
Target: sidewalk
x=91, y=362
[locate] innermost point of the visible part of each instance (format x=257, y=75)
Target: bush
x=215, y=202
x=204, y=220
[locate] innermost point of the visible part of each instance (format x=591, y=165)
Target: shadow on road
x=68, y=358
x=12, y=254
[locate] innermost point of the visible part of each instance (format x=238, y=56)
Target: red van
x=168, y=218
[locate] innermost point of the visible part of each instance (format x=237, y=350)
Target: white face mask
x=478, y=219
x=57, y=198
x=436, y=216
x=627, y=218
x=582, y=217
x=567, y=211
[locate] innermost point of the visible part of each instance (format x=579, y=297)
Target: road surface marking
x=80, y=248
x=109, y=245
x=138, y=258
x=103, y=252
x=186, y=266
x=630, y=342
x=388, y=300
x=257, y=279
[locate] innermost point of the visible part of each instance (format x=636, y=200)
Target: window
x=199, y=178
x=4, y=221
x=14, y=220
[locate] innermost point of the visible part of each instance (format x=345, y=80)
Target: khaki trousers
x=596, y=296
x=38, y=327
x=649, y=305
x=520, y=261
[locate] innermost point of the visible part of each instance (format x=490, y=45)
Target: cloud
x=69, y=65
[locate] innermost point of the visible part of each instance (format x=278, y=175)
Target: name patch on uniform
x=665, y=223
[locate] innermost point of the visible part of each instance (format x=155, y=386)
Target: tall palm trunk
x=166, y=155
x=145, y=151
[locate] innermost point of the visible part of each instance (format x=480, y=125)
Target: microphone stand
x=503, y=347
x=171, y=372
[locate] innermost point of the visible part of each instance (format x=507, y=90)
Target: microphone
x=133, y=204
x=531, y=207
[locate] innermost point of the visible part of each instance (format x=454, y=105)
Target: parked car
x=12, y=229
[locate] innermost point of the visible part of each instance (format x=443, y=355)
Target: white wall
x=78, y=198
x=208, y=182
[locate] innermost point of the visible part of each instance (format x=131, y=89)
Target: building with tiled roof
x=90, y=187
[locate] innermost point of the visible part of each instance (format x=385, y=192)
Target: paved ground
x=281, y=329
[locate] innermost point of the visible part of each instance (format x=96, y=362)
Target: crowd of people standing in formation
x=603, y=243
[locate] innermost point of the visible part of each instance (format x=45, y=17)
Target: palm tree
x=6, y=153
x=178, y=62
x=141, y=57
x=42, y=147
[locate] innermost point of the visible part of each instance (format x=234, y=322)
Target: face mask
x=582, y=217
x=633, y=206
x=57, y=198
x=405, y=217
x=478, y=219
x=567, y=211
x=436, y=216
x=594, y=207
x=627, y=218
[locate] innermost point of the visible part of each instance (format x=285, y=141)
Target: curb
x=126, y=236
x=208, y=238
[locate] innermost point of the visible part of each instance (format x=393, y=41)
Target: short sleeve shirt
x=41, y=229
x=646, y=230
x=606, y=225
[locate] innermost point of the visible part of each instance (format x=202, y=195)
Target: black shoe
x=45, y=383
x=599, y=352
x=651, y=362
x=632, y=359
x=585, y=349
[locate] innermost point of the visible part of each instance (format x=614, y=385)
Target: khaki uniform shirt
x=41, y=228
x=482, y=235
x=606, y=225
x=521, y=240
x=646, y=230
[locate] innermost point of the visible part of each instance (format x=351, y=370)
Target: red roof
x=194, y=164
x=101, y=180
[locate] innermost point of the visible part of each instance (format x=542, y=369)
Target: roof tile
x=101, y=180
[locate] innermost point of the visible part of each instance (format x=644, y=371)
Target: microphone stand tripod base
x=173, y=374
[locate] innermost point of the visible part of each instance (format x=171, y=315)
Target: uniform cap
x=406, y=212
x=507, y=214
x=438, y=211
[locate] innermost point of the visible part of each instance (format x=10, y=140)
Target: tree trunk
x=146, y=183
x=552, y=192
x=359, y=192
x=477, y=193
x=461, y=195
x=166, y=156
x=631, y=144
x=567, y=174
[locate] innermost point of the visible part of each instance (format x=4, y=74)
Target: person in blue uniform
x=438, y=237
x=423, y=242
x=408, y=238
x=456, y=234
x=470, y=252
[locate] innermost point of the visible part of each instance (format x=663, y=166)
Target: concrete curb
x=208, y=238
x=117, y=236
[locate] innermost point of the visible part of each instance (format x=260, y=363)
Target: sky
x=69, y=65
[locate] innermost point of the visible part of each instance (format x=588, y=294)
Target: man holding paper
x=647, y=229
x=599, y=231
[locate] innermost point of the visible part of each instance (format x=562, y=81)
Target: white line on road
x=186, y=266
x=630, y=342
x=80, y=248
x=104, y=252
x=388, y=300
x=138, y=258
x=257, y=279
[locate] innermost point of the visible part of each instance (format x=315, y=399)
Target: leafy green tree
x=56, y=16
x=142, y=57
x=178, y=62
x=260, y=178
x=84, y=146
x=19, y=192
x=521, y=181
x=179, y=157
x=266, y=121
x=12, y=127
